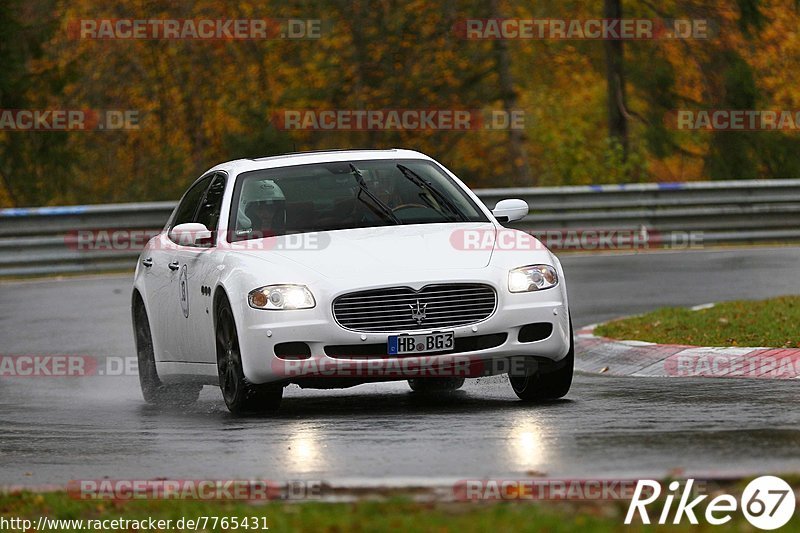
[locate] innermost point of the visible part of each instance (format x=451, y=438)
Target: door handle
x=174, y=265
x=148, y=262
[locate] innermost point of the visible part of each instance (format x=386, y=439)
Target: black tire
x=435, y=384
x=547, y=384
x=153, y=390
x=241, y=396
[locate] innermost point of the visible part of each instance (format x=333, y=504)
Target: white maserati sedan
x=331, y=269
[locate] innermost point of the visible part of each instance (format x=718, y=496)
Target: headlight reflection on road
x=303, y=451
x=526, y=445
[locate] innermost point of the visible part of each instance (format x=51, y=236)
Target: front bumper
x=260, y=331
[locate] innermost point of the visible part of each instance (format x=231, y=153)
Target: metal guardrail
x=40, y=240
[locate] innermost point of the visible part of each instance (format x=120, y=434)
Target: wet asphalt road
x=55, y=430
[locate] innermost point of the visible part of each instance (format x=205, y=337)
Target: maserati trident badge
x=418, y=313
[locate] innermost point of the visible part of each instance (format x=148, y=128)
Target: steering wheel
x=410, y=206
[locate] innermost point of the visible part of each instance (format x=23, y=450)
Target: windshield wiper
x=440, y=197
x=382, y=207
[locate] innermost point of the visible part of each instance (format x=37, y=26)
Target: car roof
x=238, y=166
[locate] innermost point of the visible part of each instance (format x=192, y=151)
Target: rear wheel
x=547, y=384
x=153, y=390
x=435, y=384
x=241, y=396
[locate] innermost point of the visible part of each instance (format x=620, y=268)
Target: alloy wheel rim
x=229, y=349
x=519, y=384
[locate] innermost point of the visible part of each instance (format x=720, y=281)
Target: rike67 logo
x=767, y=502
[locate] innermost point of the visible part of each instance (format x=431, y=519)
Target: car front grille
x=403, y=308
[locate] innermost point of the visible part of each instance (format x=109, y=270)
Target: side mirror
x=191, y=234
x=510, y=210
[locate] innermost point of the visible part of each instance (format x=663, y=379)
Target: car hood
x=387, y=249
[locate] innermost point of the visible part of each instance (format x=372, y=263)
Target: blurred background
x=203, y=102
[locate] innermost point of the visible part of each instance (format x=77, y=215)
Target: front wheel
x=546, y=384
x=241, y=396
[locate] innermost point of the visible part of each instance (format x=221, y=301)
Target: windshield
x=344, y=195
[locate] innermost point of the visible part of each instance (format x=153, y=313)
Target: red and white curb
x=601, y=355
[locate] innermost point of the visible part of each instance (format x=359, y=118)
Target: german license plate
x=431, y=342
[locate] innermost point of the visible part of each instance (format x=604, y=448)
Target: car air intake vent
x=444, y=305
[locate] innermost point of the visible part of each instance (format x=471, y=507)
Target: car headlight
x=277, y=297
x=532, y=278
